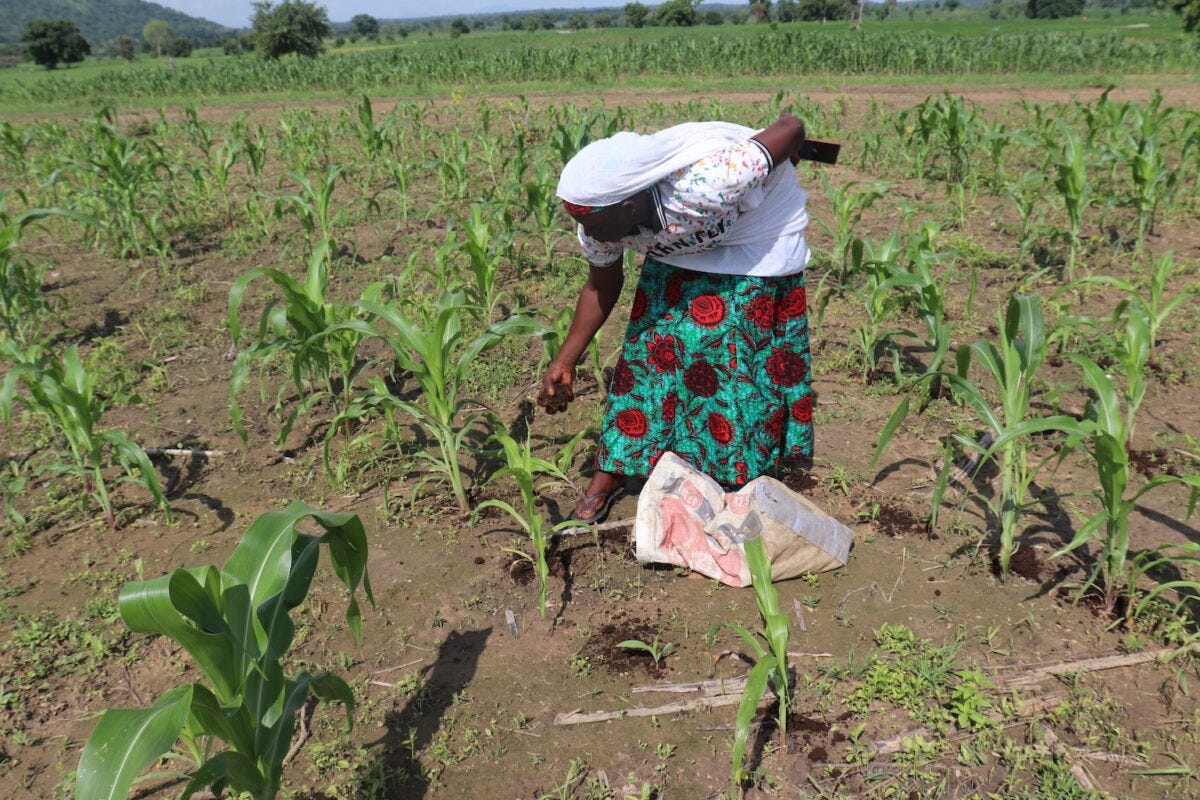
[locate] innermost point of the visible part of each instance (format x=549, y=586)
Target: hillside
x=101, y=20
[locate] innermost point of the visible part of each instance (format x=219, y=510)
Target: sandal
x=605, y=500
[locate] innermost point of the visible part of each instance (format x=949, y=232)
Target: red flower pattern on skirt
x=720, y=428
x=794, y=304
x=761, y=311
x=786, y=367
x=622, y=382
x=674, y=290
x=802, y=410
x=640, y=304
x=708, y=310
x=632, y=423
x=669, y=406
x=662, y=352
x=701, y=379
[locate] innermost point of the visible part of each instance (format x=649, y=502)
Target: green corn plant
x=542, y=205
x=1104, y=434
x=1130, y=349
x=927, y=297
x=880, y=301
x=314, y=208
x=398, y=170
x=524, y=468
x=453, y=168
x=63, y=393
x=769, y=649
x=1183, y=558
x=657, y=649
x=235, y=622
x=128, y=180
x=1154, y=304
x=23, y=306
x=1073, y=187
x=1153, y=182
x=321, y=337
x=1012, y=367
x=485, y=253
x=433, y=352
x=374, y=137
x=1027, y=195
x=254, y=146
x=849, y=204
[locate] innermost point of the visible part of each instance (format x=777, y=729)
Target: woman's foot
x=602, y=491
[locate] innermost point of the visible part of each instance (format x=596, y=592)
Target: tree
x=714, y=17
x=950, y=5
x=577, y=21
x=602, y=20
x=814, y=10
x=532, y=23
x=157, y=34
x=180, y=48
x=1190, y=10
x=635, y=14
x=50, y=41
x=676, y=13
x=364, y=25
x=293, y=26
x=459, y=26
x=124, y=47
x=1053, y=9
x=760, y=12
x=787, y=11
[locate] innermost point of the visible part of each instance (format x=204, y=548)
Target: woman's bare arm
x=783, y=138
x=596, y=301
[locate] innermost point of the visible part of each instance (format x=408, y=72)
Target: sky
x=236, y=13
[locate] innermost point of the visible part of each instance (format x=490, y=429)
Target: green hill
x=101, y=20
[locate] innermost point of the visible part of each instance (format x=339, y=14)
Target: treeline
x=101, y=21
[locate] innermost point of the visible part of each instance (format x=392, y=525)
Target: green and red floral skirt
x=714, y=368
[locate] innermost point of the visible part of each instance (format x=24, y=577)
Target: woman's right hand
x=557, y=388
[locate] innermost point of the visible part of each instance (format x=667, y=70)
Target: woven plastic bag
x=686, y=519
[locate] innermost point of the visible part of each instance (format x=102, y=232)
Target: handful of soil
x=563, y=394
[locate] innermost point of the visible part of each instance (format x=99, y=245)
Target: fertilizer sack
x=686, y=519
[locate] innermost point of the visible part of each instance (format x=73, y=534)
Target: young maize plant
x=769, y=647
x=880, y=302
x=524, y=468
x=926, y=295
x=314, y=207
x=23, y=306
x=1012, y=367
x=849, y=204
x=129, y=191
x=235, y=623
x=63, y=392
x=320, y=336
x=1154, y=306
x=433, y=352
x=1104, y=432
x=1073, y=187
x=485, y=253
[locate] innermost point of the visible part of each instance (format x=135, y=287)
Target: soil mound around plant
x=601, y=648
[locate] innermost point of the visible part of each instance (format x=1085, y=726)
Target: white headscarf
x=609, y=170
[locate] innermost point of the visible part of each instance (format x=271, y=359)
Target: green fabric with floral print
x=716, y=369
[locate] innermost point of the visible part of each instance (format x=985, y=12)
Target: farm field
x=347, y=301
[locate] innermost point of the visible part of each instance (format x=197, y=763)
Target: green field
x=970, y=49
